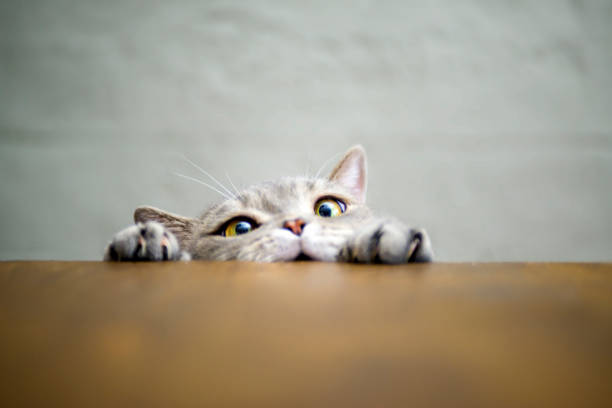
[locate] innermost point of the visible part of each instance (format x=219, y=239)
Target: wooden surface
x=305, y=334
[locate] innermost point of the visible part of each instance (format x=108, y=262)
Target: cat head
x=278, y=221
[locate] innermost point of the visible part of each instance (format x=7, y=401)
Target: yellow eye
x=238, y=226
x=329, y=207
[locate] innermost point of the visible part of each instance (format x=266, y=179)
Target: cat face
x=293, y=218
x=281, y=221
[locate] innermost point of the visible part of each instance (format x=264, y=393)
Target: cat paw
x=389, y=242
x=149, y=241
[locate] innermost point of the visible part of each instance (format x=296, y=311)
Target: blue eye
x=238, y=227
x=329, y=207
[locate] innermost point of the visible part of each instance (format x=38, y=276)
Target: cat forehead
x=278, y=196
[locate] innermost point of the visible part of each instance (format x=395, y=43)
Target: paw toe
x=113, y=255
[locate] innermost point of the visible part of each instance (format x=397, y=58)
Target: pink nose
x=295, y=226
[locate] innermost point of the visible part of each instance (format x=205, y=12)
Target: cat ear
x=181, y=227
x=351, y=172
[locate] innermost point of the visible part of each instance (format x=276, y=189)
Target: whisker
x=204, y=184
x=308, y=168
x=209, y=176
x=232, y=184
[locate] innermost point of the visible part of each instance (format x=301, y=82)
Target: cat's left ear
x=181, y=227
x=351, y=172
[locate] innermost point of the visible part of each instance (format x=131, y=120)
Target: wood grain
x=305, y=334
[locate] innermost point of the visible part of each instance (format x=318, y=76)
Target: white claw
x=143, y=247
x=413, y=246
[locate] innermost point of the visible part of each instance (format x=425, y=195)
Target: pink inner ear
x=351, y=173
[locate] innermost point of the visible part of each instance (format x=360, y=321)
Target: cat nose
x=295, y=226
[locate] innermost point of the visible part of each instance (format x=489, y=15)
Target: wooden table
x=86, y=334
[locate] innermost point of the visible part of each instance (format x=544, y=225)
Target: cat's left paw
x=390, y=242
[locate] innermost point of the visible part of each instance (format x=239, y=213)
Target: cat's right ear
x=351, y=172
x=181, y=227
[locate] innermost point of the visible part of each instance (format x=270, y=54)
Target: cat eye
x=329, y=207
x=238, y=226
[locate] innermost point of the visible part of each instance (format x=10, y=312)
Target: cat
x=322, y=219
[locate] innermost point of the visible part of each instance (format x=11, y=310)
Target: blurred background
x=489, y=123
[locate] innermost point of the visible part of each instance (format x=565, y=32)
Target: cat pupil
x=243, y=227
x=325, y=210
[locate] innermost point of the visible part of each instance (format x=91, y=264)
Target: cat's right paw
x=389, y=242
x=149, y=241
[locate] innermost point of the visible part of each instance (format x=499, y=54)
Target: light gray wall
x=487, y=122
